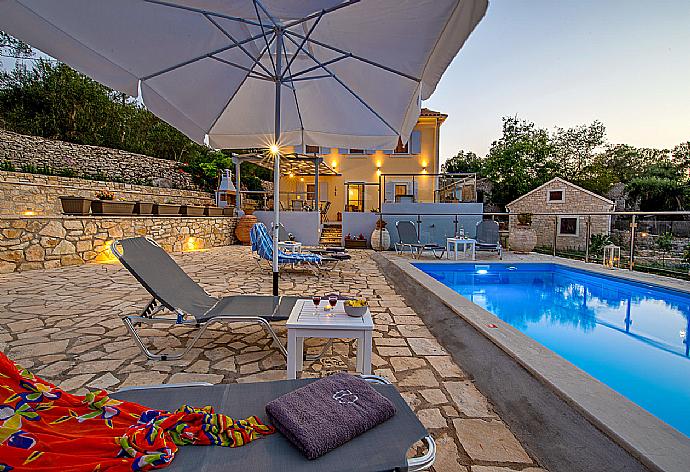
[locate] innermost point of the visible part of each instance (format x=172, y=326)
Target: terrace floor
x=64, y=324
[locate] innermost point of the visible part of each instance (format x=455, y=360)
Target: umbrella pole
x=276, y=160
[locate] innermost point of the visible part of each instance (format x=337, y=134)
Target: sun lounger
x=262, y=245
x=175, y=292
x=379, y=449
x=407, y=234
x=488, y=237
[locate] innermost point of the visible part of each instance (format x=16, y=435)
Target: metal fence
x=656, y=242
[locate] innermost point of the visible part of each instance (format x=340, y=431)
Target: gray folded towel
x=329, y=412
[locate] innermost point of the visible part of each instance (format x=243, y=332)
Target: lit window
x=568, y=226
x=312, y=149
x=356, y=151
x=555, y=196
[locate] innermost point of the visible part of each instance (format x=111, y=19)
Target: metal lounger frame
x=155, y=305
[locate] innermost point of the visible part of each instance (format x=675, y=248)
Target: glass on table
x=316, y=299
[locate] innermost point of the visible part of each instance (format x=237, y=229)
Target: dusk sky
x=562, y=63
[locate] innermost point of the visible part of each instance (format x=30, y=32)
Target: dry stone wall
x=115, y=164
x=46, y=243
x=21, y=192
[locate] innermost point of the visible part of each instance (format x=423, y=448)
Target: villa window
x=568, y=226
x=312, y=149
x=356, y=151
x=555, y=195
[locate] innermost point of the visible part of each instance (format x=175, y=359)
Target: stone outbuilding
x=574, y=206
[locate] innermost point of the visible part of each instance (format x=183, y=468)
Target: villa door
x=355, y=197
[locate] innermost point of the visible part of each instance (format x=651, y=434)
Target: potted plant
x=522, y=237
x=380, y=237
x=229, y=210
x=107, y=205
x=143, y=208
x=355, y=242
x=210, y=210
x=166, y=209
x=192, y=210
x=73, y=205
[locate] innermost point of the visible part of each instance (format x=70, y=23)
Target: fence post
x=555, y=234
x=419, y=227
x=633, y=226
x=589, y=235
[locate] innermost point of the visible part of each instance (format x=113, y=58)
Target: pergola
x=290, y=164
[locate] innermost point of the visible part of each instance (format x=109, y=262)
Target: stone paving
x=65, y=325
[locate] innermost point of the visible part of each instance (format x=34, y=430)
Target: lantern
x=612, y=256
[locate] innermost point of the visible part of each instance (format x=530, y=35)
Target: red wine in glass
x=316, y=299
x=332, y=300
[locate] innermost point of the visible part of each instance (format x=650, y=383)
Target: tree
x=463, y=162
x=521, y=160
x=13, y=47
x=574, y=149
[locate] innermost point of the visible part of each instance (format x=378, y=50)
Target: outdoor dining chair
x=382, y=448
x=488, y=237
x=174, y=292
x=407, y=235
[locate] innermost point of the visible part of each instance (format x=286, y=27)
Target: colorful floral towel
x=43, y=428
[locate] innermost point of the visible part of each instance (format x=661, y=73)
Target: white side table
x=307, y=322
x=292, y=247
x=455, y=242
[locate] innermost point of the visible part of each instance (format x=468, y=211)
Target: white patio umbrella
x=260, y=73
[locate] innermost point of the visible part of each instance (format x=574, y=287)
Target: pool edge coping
x=650, y=440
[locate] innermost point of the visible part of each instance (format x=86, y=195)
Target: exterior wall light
x=274, y=149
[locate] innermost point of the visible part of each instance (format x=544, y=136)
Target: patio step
x=331, y=235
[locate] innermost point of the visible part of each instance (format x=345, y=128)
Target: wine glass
x=316, y=299
x=332, y=300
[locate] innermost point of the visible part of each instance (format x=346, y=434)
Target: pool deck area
x=64, y=324
x=557, y=403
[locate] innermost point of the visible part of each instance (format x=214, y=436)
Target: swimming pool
x=629, y=335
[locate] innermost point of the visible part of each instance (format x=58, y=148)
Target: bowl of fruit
x=356, y=307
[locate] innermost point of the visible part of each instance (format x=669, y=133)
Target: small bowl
x=355, y=311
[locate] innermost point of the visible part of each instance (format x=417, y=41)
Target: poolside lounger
x=173, y=290
x=262, y=245
x=379, y=449
x=407, y=233
x=488, y=238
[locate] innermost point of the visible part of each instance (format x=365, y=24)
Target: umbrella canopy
x=246, y=73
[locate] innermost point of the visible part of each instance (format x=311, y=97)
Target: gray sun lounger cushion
x=326, y=414
x=380, y=449
x=160, y=275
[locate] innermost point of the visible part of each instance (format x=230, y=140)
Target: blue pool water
x=629, y=335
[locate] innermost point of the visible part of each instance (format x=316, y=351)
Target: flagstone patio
x=65, y=325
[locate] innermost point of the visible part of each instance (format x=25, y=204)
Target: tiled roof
x=427, y=112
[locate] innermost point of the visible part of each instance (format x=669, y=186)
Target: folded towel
x=329, y=412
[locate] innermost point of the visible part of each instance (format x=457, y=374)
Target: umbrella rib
x=354, y=56
x=346, y=87
x=263, y=33
x=232, y=38
x=252, y=73
x=322, y=12
x=310, y=69
x=203, y=12
x=304, y=41
x=198, y=58
x=294, y=93
x=232, y=97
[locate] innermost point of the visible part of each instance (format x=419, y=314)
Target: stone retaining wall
x=126, y=166
x=46, y=243
x=21, y=192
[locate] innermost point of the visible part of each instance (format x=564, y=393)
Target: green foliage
x=463, y=162
x=664, y=242
x=7, y=166
x=519, y=161
x=686, y=254
x=597, y=242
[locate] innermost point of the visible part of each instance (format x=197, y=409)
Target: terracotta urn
x=380, y=239
x=243, y=227
x=522, y=239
